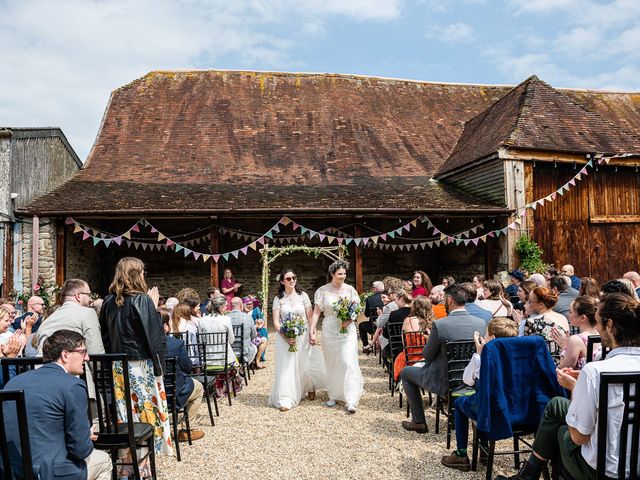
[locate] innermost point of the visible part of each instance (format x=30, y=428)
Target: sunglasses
x=290, y=279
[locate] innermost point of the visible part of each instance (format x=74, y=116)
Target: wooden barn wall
x=570, y=229
x=486, y=181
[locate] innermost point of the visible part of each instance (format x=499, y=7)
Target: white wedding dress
x=296, y=373
x=344, y=380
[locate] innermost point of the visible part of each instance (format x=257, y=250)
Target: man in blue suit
x=59, y=429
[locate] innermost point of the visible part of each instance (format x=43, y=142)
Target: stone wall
x=46, y=252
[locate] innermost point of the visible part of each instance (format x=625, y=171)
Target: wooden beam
x=7, y=274
x=615, y=219
x=61, y=253
x=358, y=249
x=214, y=248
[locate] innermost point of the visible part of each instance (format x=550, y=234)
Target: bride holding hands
x=340, y=304
x=299, y=367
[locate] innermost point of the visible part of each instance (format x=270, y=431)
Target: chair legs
x=176, y=441
x=152, y=458
x=450, y=410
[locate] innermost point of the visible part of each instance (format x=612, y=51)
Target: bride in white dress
x=297, y=373
x=344, y=380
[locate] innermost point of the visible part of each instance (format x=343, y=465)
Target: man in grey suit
x=457, y=325
x=76, y=315
x=560, y=287
x=238, y=317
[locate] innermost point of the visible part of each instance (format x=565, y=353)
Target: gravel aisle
x=251, y=440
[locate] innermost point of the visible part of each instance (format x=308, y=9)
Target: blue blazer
x=184, y=383
x=59, y=429
x=517, y=380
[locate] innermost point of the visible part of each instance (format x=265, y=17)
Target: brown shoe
x=195, y=435
x=311, y=395
x=283, y=409
x=457, y=462
x=415, y=427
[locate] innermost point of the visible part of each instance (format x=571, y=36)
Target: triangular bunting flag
x=118, y=240
x=572, y=182
x=321, y=237
x=69, y=221
x=253, y=246
x=216, y=258
x=413, y=223
x=276, y=228
x=347, y=241
x=312, y=233
x=96, y=241
x=260, y=240
x=77, y=228
x=85, y=235
x=407, y=227
x=135, y=228
x=374, y=239
x=225, y=256
x=392, y=234
x=436, y=231
x=295, y=226
x=127, y=234
x=186, y=252
x=269, y=234
x=161, y=237
x=107, y=242
x=285, y=220
x=170, y=242
x=357, y=241
x=303, y=229
x=330, y=239
x=244, y=250
x=196, y=255
x=179, y=247
x=383, y=236
x=561, y=191
x=206, y=257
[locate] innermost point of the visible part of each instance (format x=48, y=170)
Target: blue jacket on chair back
x=517, y=380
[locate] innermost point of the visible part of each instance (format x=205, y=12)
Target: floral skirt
x=148, y=401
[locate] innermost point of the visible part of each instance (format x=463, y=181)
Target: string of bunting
x=375, y=241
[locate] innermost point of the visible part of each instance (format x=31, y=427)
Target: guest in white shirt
x=217, y=321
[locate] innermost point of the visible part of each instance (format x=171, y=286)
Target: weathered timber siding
x=485, y=181
x=565, y=228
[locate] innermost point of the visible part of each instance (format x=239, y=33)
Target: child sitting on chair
x=466, y=406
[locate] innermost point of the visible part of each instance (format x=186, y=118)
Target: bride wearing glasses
x=298, y=373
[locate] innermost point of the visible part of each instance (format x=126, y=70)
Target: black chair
x=170, y=384
x=394, y=331
x=592, y=340
x=459, y=354
x=238, y=349
x=16, y=396
x=19, y=364
x=190, y=344
x=629, y=442
x=213, y=359
x=115, y=433
x=412, y=345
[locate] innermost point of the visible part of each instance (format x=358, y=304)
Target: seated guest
x=466, y=407
x=10, y=348
x=447, y=281
x=182, y=321
x=589, y=287
x=582, y=314
x=252, y=307
x=543, y=318
x=35, y=309
x=569, y=271
x=216, y=321
x=568, y=431
x=471, y=307
x=391, y=285
x=478, y=282
x=211, y=292
x=617, y=286
x=558, y=286
x=494, y=300
x=188, y=392
x=458, y=325
x=629, y=287
x=437, y=301
x=524, y=289
x=59, y=429
x=634, y=278
x=516, y=277
x=403, y=300
x=421, y=284
x=539, y=279
x=419, y=320
x=371, y=305
x=238, y=317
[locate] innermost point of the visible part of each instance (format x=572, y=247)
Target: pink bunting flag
x=216, y=258
x=261, y=240
x=583, y=171
x=572, y=182
x=407, y=227
x=340, y=240
x=244, y=250
x=295, y=226
x=553, y=195
x=85, y=235
x=153, y=230
x=475, y=241
x=321, y=236
x=491, y=234
x=196, y=255
x=69, y=221
x=513, y=226
x=365, y=240
x=135, y=228
x=118, y=240
x=436, y=231
x=169, y=242
x=523, y=213
x=383, y=236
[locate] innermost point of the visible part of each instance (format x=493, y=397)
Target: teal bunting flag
x=96, y=241
x=392, y=234
x=269, y=234
x=178, y=247
x=225, y=256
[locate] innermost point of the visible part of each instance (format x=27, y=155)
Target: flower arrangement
x=347, y=310
x=292, y=326
x=48, y=291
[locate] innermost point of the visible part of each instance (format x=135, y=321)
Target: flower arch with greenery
x=270, y=254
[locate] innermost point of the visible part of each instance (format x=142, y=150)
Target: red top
x=228, y=283
x=415, y=291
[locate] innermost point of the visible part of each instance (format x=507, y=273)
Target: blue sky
x=61, y=59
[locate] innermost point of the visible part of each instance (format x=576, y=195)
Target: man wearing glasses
x=35, y=307
x=74, y=314
x=56, y=401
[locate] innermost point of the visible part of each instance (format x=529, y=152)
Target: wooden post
x=265, y=283
x=214, y=247
x=61, y=252
x=7, y=274
x=35, y=237
x=358, y=249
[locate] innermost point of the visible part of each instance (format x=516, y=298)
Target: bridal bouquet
x=347, y=310
x=292, y=326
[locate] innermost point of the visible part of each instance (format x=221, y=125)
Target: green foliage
x=530, y=255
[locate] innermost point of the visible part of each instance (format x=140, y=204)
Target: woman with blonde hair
x=131, y=324
x=420, y=319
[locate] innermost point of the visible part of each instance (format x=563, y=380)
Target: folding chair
x=459, y=354
x=592, y=340
x=238, y=349
x=115, y=433
x=395, y=348
x=213, y=358
x=19, y=364
x=16, y=396
x=412, y=345
x=170, y=385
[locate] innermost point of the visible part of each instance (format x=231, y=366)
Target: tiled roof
x=535, y=116
x=199, y=141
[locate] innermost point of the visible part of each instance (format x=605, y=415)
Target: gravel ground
x=251, y=440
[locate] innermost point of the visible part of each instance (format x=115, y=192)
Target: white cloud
x=452, y=33
x=579, y=40
x=541, y=6
x=62, y=59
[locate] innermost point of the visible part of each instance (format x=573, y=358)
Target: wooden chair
x=592, y=340
x=16, y=396
x=238, y=349
x=170, y=385
x=629, y=440
x=459, y=354
x=115, y=433
x=395, y=348
x=18, y=365
x=213, y=359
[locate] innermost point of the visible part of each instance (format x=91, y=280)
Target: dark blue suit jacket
x=517, y=380
x=184, y=383
x=59, y=429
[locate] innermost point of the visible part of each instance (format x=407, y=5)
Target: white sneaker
x=330, y=403
x=351, y=408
